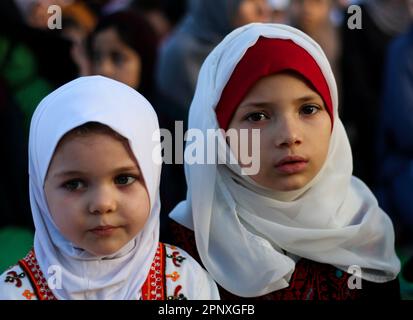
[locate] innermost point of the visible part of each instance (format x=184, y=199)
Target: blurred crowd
x=158, y=46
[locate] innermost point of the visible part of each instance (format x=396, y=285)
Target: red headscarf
x=266, y=57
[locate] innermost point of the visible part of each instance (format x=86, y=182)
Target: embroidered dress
x=310, y=280
x=169, y=278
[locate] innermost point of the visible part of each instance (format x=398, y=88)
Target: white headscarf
x=97, y=99
x=240, y=228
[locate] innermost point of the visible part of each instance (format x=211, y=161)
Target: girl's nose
x=102, y=200
x=287, y=132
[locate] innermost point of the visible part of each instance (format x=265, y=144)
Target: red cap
x=266, y=57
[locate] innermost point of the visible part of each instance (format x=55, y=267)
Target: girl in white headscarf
x=94, y=189
x=302, y=227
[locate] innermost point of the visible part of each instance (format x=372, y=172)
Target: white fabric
x=240, y=228
x=98, y=99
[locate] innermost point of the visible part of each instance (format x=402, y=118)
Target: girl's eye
x=73, y=185
x=310, y=109
x=256, y=116
x=117, y=58
x=125, y=180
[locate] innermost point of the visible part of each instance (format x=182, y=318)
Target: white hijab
x=98, y=99
x=241, y=228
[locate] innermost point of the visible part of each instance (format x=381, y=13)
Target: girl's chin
x=281, y=183
x=289, y=184
x=103, y=251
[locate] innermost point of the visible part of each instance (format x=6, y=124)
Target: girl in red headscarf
x=287, y=221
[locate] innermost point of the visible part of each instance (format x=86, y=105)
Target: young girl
x=302, y=227
x=123, y=47
x=94, y=178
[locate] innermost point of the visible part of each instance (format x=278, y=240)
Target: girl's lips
x=103, y=230
x=292, y=167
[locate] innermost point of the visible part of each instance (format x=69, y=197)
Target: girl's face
x=114, y=59
x=96, y=193
x=293, y=121
x=252, y=11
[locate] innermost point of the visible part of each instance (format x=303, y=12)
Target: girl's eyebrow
x=264, y=104
x=309, y=97
x=127, y=169
x=69, y=173
x=252, y=104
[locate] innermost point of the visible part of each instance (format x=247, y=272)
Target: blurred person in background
x=78, y=21
x=35, y=13
x=163, y=15
x=51, y=50
x=33, y=60
x=395, y=143
x=123, y=47
x=363, y=60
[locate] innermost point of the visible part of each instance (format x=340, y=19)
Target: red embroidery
x=174, y=276
x=154, y=287
x=176, y=258
x=28, y=294
x=12, y=277
x=177, y=289
x=31, y=267
x=177, y=295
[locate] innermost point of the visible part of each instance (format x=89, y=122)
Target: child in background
x=123, y=47
x=300, y=226
x=94, y=190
